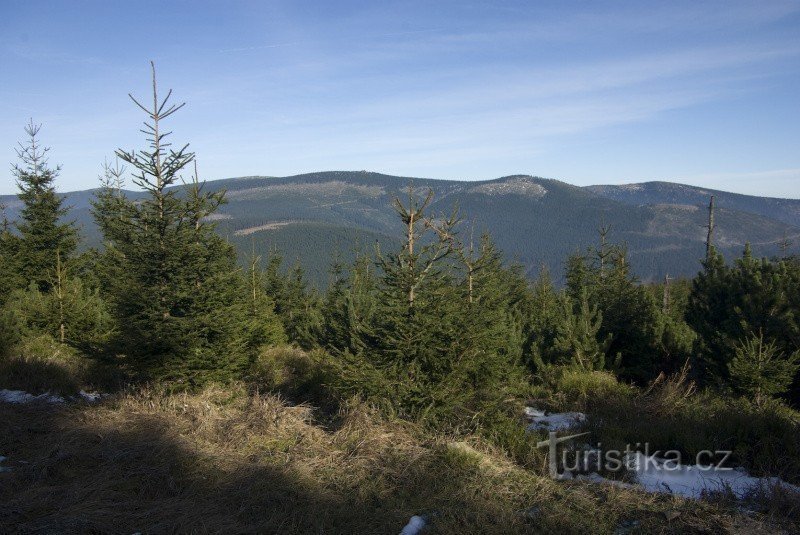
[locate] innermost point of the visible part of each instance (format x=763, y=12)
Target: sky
x=704, y=93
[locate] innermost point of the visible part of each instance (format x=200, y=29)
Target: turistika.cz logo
x=631, y=458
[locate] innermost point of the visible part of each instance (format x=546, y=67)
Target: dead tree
x=785, y=244
x=419, y=258
x=710, y=227
x=59, y=292
x=604, y=252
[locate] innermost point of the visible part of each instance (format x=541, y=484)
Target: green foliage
x=643, y=339
x=437, y=335
x=577, y=341
x=296, y=305
x=75, y=315
x=582, y=386
x=349, y=308
x=178, y=295
x=41, y=232
x=730, y=302
x=9, y=272
x=263, y=323
x=760, y=371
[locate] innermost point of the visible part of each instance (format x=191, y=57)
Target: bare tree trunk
x=60, y=296
x=710, y=236
x=784, y=244
x=412, y=213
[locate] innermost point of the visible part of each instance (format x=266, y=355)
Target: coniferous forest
x=234, y=396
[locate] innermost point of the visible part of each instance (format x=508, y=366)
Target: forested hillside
x=538, y=222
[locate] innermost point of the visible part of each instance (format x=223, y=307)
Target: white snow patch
x=532, y=412
x=20, y=396
x=556, y=421
x=653, y=474
x=690, y=481
x=91, y=397
x=526, y=186
x=414, y=526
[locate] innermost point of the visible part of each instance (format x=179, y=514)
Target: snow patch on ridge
x=513, y=186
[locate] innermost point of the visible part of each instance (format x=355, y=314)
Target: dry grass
x=41, y=364
x=225, y=460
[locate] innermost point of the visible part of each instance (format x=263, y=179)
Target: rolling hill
x=312, y=218
x=785, y=210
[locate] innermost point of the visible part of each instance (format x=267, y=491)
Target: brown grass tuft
x=225, y=460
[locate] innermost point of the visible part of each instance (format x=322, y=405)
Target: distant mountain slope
x=313, y=217
x=786, y=210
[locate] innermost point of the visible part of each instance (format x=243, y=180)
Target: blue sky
x=587, y=92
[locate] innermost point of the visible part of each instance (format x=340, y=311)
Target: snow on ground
x=91, y=397
x=414, y=526
x=690, y=481
x=653, y=474
x=20, y=396
x=556, y=421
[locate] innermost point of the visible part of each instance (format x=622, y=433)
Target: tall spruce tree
x=178, y=294
x=438, y=335
x=265, y=325
x=40, y=226
x=298, y=307
x=544, y=317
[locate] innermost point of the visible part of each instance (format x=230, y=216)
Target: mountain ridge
x=662, y=192
x=536, y=221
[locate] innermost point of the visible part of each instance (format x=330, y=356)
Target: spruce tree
x=178, y=294
x=759, y=370
x=544, y=316
x=438, y=335
x=298, y=307
x=265, y=325
x=631, y=317
x=349, y=308
x=577, y=341
x=40, y=226
x=72, y=313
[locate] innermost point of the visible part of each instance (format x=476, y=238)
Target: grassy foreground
x=229, y=460
x=254, y=458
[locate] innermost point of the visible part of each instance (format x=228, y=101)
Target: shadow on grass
x=71, y=472
x=65, y=375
